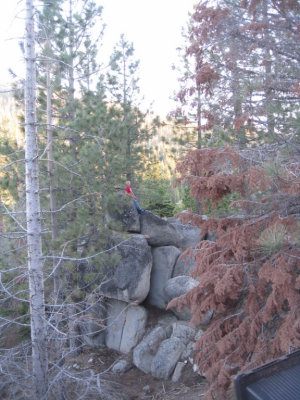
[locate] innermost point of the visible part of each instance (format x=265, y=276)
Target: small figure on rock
x=130, y=193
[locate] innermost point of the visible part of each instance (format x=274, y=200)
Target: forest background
x=235, y=138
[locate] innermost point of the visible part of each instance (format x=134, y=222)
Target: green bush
x=157, y=197
x=188, y=202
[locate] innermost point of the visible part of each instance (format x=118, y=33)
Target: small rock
x=121, y=367
x=90, y=360
x=146, y=389
x=195, y=368
x=177, y=373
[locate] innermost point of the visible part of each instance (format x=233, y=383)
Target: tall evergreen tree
x=66, y=65
x=243, y=46
x=130, y=132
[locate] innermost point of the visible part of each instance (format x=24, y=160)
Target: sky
x=153, y=26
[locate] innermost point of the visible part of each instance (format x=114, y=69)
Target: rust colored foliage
x=282, y=5
x=206, y=74
x=250, y=275
x=206, y=177
x=211, y=18
x=296, y=88
x=239, y=122
x=256, y=26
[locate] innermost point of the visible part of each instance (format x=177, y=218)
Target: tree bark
x=34, y=238
x=52, y=189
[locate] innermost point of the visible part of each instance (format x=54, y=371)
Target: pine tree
x=249, y=51
x=130, y=132
x=65, y=34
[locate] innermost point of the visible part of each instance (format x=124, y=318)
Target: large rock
x=146, y=350
x=125, y=326
x=191, y=236
x=164, y=259
x=183, y=266
x=160, y=232
x=166, y=358
x=134, y=328
x=130, y=279
x=115, y=323
x=122, y=214
x=176, y=287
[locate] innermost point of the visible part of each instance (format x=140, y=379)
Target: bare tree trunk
x=52, y=189
x=34, y=239
x=102, y=178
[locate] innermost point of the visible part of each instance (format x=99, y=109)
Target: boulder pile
x=132, y=317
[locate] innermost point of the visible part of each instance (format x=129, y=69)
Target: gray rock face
x=115, y=323
x=191, y=236
x=176, y=287
x=179, y=285
x=166, y=358
x=160, y=232
x=183, y=266
x=125, y=326
x=183, y=332
x=134, y=328
x=164, y=259
x=123, y=212
x=146, y=350
x=130, y=279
